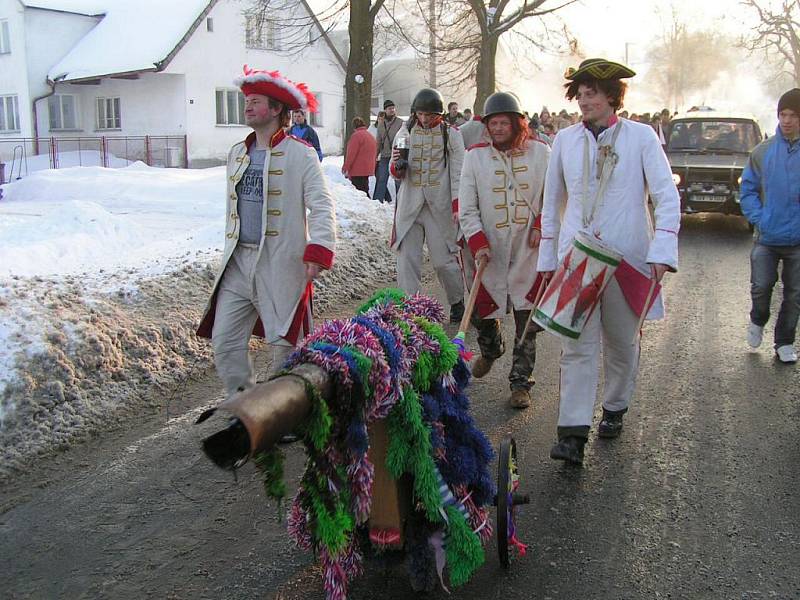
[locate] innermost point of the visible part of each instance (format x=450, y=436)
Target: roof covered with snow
x=131, y=37
x=80, y=7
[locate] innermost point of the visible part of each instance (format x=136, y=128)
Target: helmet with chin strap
x=500, y=102
x=428, y=100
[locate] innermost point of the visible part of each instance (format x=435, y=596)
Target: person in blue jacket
x=304, y=131
x=770, y=198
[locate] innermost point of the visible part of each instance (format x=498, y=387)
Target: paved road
x=697, y=500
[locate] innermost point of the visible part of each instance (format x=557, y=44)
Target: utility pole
x=432, y=43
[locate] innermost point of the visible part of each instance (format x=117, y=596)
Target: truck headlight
x=676, y=178
x=739, y=181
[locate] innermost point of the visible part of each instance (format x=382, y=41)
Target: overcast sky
x=604, y=27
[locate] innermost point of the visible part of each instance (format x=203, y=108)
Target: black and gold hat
x=599, y=68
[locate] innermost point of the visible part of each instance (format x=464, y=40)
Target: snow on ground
x=103, y=276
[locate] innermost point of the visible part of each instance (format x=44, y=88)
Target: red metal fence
x=21, y=156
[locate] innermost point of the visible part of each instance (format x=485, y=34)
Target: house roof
x=79, y=7
x=131, y=37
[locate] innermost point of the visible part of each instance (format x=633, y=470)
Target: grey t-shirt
x=250, y=194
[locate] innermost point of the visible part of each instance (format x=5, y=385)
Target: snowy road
x=697, y=500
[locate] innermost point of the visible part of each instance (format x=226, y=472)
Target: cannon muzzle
x=260, y=416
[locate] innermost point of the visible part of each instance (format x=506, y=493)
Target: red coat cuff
x=319, y=255
x=537, y=222
x=477, y=241
x=393, y=171
x=454, y=206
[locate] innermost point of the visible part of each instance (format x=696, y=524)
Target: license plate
x=707, y=198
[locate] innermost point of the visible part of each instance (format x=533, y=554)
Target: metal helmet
x=500, y=102
x=428, y=100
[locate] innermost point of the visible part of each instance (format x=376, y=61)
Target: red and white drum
x=576, y=287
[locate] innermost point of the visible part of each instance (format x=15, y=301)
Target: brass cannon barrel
x=261, y=415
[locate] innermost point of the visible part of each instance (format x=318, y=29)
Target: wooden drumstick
x=539, y=295
x=645, y=310
x=473, y=296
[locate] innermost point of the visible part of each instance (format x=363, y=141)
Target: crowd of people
x=552, y=230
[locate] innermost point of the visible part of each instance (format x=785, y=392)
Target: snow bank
x=103, y=276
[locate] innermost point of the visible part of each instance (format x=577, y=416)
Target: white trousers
x=240, y=301
x=409, y=258
x=614, y=323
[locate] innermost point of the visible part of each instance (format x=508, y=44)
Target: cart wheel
x=507, y=498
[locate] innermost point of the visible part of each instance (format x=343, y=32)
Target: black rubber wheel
x=507, y=482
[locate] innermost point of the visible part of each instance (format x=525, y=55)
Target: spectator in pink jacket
x=359, y=161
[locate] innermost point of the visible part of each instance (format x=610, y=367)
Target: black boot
x=569, y=449
x=611, y=424
x=457, y=312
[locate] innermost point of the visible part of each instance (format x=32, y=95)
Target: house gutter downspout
x=52, y=91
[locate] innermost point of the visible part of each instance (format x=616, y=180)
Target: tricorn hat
x=296, y=96
x=599, y=68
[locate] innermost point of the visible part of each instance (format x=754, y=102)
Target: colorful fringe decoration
x=393, y=361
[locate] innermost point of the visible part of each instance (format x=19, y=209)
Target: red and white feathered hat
x=276, y=86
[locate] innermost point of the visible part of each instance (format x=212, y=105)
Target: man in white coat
x=620, y=219
x=273, y=248
x=427, y=199
x=500, y=199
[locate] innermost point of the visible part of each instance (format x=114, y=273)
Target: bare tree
x=777, y=36
x=464, y=36
x=299, y=26
x=685, y=61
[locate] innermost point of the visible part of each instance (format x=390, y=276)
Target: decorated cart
x=395, y=461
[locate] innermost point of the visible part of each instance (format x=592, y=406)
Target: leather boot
x=520, y=398
x=611, y=424
x=481, y=367
x=569, y=449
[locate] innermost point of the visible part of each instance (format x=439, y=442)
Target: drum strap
x=513, y=183
x=607, y=159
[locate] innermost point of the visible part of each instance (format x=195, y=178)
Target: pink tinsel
x=297, y=524
x=425, y=306
x=334, y=578
x=360, y=475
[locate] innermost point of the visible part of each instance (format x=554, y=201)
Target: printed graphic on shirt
x=250, y=194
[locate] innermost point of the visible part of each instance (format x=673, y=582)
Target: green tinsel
x=270, y=463
x=410, y=451
x=394, y=294
x=448, y=352
x=332, y=525
x=317, y=428
x=464, y=551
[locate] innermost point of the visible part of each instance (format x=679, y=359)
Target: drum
x=576, y=287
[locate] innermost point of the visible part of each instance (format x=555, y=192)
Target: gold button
x=234, y=216
x=229, y=235
x=233, y=196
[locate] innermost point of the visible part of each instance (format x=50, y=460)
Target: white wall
x=150, y=105
x=13, y=74
x=211, y=60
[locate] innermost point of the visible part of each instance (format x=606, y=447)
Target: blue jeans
x=381, y=194
x=763, y=276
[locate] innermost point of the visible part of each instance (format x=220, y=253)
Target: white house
x=117, y=68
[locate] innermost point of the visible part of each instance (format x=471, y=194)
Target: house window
x=230, y=107
x=63, y=109
x=260, y=33
x=210, y=25
x=108, y=116
x=316, y=117
x=5, y=37
x=9, y=113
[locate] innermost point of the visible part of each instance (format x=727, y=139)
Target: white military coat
x=623, y=219
x=493, y=213
x=428, y=180
x=293, y=184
